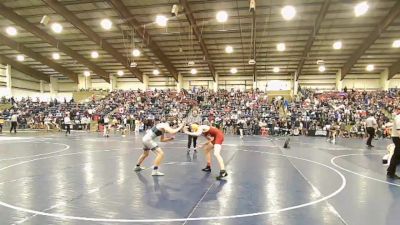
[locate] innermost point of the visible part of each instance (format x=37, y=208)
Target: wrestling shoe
x=207, y=169
x=139, y=168
x=157, y=173
x=222, y=174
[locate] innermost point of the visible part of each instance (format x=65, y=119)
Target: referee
x=371, y=124
x=194, y=117
x=391, y=171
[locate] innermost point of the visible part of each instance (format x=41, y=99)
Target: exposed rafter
x=197, y=33
x=372, y=37
x=311, y=39
x=38, y=57
x=22, y=22
x=75, y=21
x=253, y=35
x=394, y=69
x=129, y=18
x=24, y=69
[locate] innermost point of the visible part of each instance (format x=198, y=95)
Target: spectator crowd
x=251, y=112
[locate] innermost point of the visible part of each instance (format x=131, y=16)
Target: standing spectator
x=14, y=123
x=106, y=122
x=137, y=126
x=391, y=171
x=371, y=125
x=132, y=123
x=67, y=122
x=1, y=123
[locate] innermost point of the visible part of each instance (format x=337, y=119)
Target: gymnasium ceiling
x=195, y=35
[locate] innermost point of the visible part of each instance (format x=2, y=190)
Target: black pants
x=13, y=127
x=1, y=128
x=68, y=126
x=395, y=158
x=371, y=133
x=190, y=138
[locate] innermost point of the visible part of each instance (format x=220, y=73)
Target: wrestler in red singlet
x=217, y=134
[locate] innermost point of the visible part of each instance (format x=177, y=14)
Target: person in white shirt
x=371, y=125
x=67, y=122
x=395, y=160
x=106, y=126
x=14, y=123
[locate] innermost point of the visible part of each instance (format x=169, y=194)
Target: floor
x=87, y=179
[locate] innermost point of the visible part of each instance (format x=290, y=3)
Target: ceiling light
x=276, y=69
x=156, y=72
x=57, y=28
x=86, y=73
x=94, y=54
x=136, y=52
x=120, y=73
x=233, y=70
x=161, y=20
x=56, y=56
x=396, y=44
x=106, y=24
x=361, y=8
x=20, y=58
x=193, y=71
x=337, y=45
x=321, y=68
x=222, y=16
x=228, y=49
x=12, y=31
x=288, y=12
x=370, y=68
x=281, y=47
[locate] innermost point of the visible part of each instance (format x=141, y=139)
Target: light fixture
x=193, y=71
x=136, y=52
x=57, y=28
x=156, y=72
x=288, y=12
x=222, y=16
x=370, y=68
x=174, y=10
x=20, y=58
x=321, y=68
x=233, y=70
x=86, y=73
x=120, y=73
x=106, y=24
x=94, y=54
x=361, y=8
x=281, y=47
x=161, y=20
x=228, y=49
x=396, y=44
x=337, y=45
x=56, y=56
x=276, y=69
x=12, y=31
